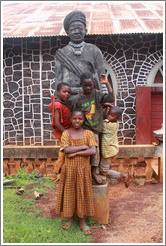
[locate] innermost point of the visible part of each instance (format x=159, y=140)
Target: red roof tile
x=153, y=24
x=128, y=26
x=145, y=14
x=26, y=19
x=137, y=5
x=104, y=27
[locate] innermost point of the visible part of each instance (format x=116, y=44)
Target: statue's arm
x=100, y=68
x=99, y=62
x=58, y=72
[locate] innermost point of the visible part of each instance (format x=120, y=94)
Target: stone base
x=101, y=203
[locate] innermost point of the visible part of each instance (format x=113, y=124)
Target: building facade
x=131, y=60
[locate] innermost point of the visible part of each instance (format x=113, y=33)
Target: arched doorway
x=149, y=106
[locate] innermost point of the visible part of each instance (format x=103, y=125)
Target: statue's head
x=75, y=26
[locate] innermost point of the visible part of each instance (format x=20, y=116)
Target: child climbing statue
x=110, y=145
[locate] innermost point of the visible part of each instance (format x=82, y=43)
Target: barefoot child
x=60, y=119
x=75, y=195
x=110, y=145
x=89, y=101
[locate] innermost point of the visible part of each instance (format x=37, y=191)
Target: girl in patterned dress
x=75, y=194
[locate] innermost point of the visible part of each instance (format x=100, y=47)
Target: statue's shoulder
x=65, y=48
x=92, y=47
x=61, y=53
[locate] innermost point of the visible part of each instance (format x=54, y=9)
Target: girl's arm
x=90, y=151
x=74, y=149
x=57, y=121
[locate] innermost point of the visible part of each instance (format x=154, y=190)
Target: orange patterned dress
x=75, y=194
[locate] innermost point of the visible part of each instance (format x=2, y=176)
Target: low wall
x=125, y=151
x=140, y=160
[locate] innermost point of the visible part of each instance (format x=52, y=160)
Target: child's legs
x=114, y=175
x=107, y=171
x=105, y=166
x=95, y=159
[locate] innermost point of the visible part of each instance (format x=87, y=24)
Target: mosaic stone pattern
x=28, y=82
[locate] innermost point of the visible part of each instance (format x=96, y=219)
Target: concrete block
x=101, y=203
x=130, y=151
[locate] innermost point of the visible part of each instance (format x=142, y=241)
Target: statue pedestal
x=101, y=203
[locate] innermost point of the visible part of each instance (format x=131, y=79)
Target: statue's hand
x=103, y=78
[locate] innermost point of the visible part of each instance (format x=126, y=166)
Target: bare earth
x=136, y=214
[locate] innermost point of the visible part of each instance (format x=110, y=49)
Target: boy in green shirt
x=89, y=101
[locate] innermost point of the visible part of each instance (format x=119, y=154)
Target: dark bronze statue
x=78, y=56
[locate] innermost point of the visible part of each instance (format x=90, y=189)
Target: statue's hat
x=74, y=16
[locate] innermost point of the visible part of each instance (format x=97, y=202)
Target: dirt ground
x=136, y=214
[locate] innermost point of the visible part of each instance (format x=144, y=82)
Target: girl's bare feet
x=68, y=224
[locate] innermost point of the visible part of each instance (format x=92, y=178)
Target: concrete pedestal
x=101, y=203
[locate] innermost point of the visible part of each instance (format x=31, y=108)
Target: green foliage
x=23, y=222
x=90, y=221
x=9, y=177
x=23, y=174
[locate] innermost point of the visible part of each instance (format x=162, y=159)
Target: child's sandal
x=67, y=225
x=86, y=230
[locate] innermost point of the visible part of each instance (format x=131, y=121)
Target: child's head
x=63, y=91
x=87, y=83
x=77, y=118
x=114, y=114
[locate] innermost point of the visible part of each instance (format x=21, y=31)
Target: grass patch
x=22, y=221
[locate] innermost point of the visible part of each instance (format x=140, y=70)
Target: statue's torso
x=90, y=60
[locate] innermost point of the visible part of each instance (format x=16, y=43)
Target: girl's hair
x=86, y=76
x=59, y=86
x=77, y=110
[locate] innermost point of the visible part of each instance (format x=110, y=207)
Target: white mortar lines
x=41, y=96
x=22, y=92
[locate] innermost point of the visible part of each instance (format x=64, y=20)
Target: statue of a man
x=78, y=57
